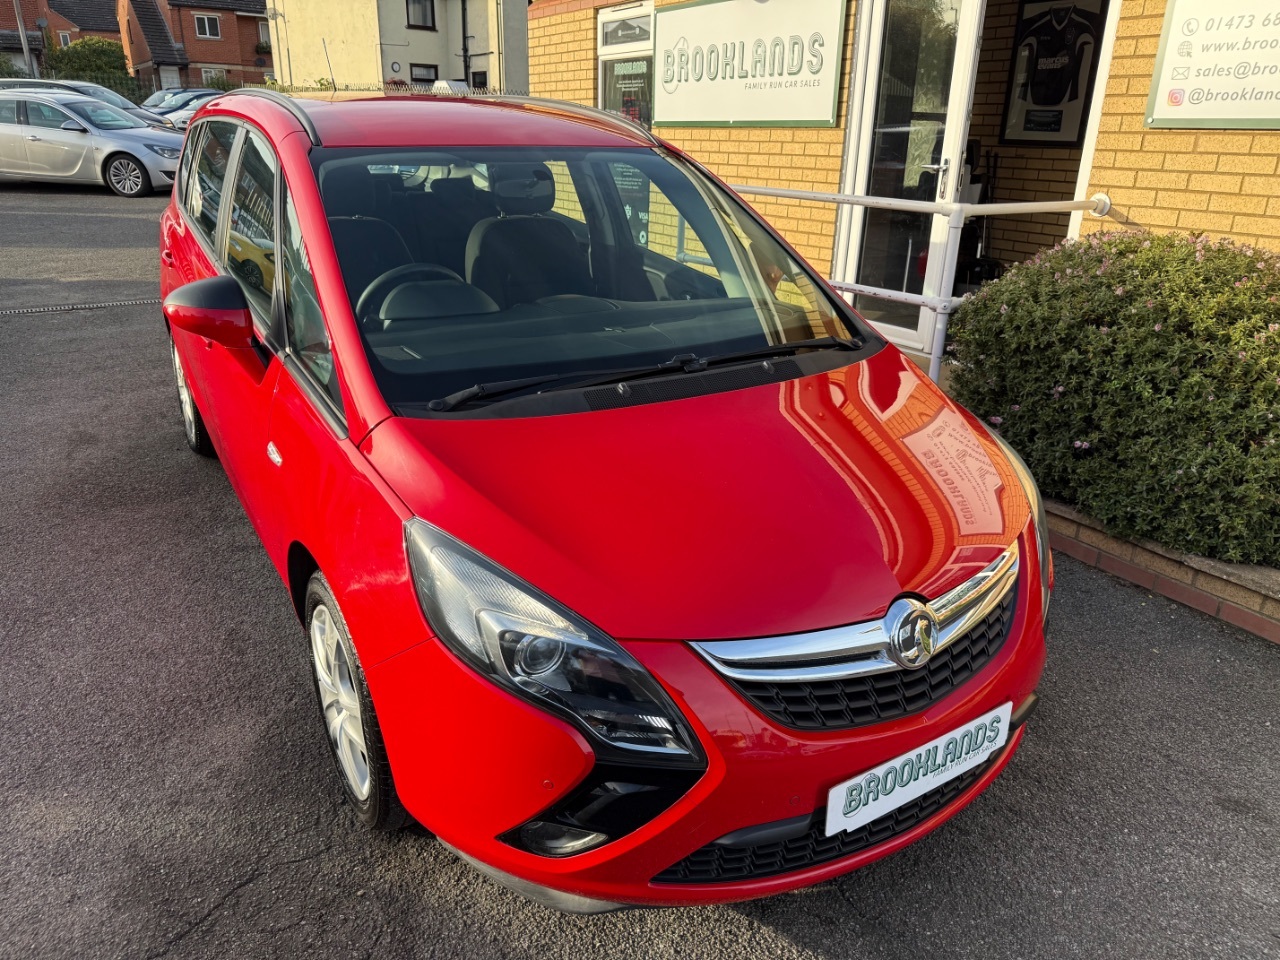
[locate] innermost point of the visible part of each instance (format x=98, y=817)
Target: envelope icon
x=1182, y=73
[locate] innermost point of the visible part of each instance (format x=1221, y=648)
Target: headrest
x=454, y=189
x=520, y=189
x=348, y=191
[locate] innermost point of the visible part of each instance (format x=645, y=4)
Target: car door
x=13, y=155
x=54, y=152
x=237, y=384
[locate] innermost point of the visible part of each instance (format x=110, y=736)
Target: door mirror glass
x=215, y=309
x=74, y=127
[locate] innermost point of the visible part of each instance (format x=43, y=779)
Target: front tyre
x=127, y=176
x=355, y=741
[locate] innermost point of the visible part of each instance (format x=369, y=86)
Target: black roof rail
x=581, y=110
x=290, y=104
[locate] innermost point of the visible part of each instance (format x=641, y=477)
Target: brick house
x=72, y=20
x=195, y=43
x=11, y=41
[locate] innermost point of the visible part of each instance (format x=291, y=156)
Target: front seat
x=366, y=246
x=521, y=255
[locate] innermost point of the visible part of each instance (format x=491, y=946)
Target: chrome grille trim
x=859, y=649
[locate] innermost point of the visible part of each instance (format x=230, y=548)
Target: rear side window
x=251, y=236
x=8, y=111
x=204, y=195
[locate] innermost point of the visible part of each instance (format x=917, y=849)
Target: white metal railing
x=956, y=213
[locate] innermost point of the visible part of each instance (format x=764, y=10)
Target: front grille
x=858, y=701
x=720, y=863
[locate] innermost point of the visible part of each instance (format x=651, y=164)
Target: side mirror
x=215, y=309
x=74, y=126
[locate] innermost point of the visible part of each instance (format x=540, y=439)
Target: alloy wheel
x=184, y=396
x=340, y=701
x=125, y=176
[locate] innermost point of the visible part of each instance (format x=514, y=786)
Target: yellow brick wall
x=1220, y=182
x=1023, y=172
x=562, y=64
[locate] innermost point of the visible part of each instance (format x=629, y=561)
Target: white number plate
x=872, y=794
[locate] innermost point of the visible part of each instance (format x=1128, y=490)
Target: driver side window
x=304, y=323
x=43, y=115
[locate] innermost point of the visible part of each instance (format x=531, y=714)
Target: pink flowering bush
x=1139, y=375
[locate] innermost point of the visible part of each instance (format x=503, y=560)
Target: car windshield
x=477, y=265
x=103, y=115
x=181, y=100
x=159, y=97
x=105, y=95
x=196, y=104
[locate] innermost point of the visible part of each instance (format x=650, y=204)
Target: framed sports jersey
x=1051, y=71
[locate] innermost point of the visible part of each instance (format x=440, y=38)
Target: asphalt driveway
x=168, y=793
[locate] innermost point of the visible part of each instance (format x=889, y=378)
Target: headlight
x=169, y=153
x=1037, y=507
x=527, y=643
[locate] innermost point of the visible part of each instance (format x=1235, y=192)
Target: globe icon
x=1184, y=48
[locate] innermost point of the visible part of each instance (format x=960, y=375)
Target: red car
x=634, y=564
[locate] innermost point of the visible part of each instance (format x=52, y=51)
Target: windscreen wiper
x=487, y=391
x=777, y=350
x=682, y=363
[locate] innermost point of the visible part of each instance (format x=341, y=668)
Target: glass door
x=908, y=143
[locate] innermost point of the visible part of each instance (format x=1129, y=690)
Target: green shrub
x=1139, y=375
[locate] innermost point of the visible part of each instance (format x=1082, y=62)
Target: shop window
x=624, y=46
x=424, y=72
x=421, y=14
x=208, y=27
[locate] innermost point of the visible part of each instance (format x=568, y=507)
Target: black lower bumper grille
x=720, y=863
x=858, y=701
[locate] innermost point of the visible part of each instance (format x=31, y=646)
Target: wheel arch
x=299, y=566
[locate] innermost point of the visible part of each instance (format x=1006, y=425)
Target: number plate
x=878, y=791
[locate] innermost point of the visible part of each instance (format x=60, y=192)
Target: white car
x=182, y=118
x=67, y=136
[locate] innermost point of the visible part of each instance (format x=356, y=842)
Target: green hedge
x=1139, y=376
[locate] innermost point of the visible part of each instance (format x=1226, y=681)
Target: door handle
x=166, y=257
x=33, y=137
x=941, y=170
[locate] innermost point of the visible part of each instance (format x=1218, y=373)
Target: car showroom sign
x=1219, y=66
x=748, y=62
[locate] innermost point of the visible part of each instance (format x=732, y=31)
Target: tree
x=90, y=58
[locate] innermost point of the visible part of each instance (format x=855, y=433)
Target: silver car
x=66, y=136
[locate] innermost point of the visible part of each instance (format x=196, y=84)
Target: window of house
x=64, y=38
x=209, y=74
x=480, y=79
x=424, y=72
x=208, y=27
x=421, y=14
x=304, y=323
x=624, y=47
x=251, y=236
x=264, y=31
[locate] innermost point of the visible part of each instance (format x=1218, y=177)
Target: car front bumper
x=472, y=762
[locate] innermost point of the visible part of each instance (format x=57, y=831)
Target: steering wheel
x=378, y=291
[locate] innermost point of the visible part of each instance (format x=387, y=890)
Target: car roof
x=10, y=82
x=429, y=121
x=53, y=96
